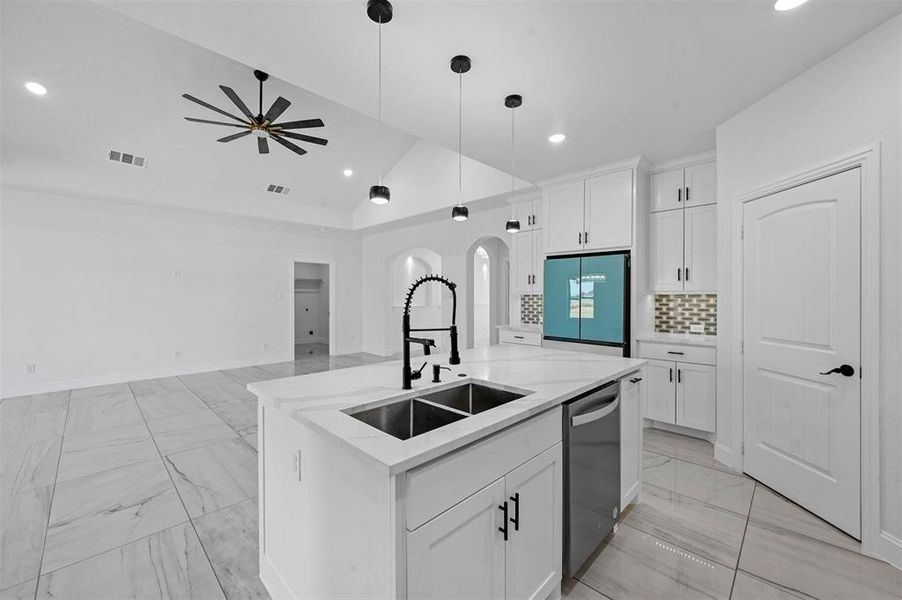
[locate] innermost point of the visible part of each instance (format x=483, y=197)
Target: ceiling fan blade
x=305, y=138
x=262, y=145
x=289, y=145
x=299, y=124
x=275, y=111
x=237, y=101
x=211, y=107
x=193, y=120
x=234, y=136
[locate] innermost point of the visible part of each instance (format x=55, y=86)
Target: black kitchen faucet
x=408, y=375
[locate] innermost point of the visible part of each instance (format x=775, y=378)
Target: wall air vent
x=277, y=189
x=128, y=159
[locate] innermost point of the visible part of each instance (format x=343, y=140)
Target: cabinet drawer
x=435, y=487
x=529, y=338
x=675, y=352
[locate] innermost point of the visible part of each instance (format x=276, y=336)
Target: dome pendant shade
x=380, y=194
x=512, y=226
x=460, y=213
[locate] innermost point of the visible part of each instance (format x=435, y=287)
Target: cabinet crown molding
x=635, y=162
x=684, y=161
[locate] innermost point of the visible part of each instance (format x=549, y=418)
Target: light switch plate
x=696, y=328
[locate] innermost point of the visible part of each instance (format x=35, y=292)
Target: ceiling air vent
x=277, y=189
x=128, y=159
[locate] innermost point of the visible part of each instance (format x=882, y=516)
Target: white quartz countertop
x=686, y=339
x=550, y=377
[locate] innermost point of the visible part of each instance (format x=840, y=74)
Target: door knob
x=844, y=370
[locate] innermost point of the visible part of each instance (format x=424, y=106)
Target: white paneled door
x=801, y=312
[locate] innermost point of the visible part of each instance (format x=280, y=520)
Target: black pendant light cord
x=460, y=137
x=379, y=135
x=513, y=208
x=260, y=112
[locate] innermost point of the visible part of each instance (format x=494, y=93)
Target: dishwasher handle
x=595, y=414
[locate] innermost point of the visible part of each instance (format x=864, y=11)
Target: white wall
x=96, y=291
x=842, y=105
x=451, y=241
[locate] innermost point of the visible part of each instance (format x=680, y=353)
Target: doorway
x=487, y=293
x=482, y=296
x=311, y=309
x=801, y=299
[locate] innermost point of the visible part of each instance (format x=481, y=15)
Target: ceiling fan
x=263, y=126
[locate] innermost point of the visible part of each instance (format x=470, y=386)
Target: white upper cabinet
x=700, y=247
x=666, y=190
x=609, y=211
x=563, y=212
x=528, y=262
x=528, y=212
x=665, y=269
x=700, y=183
x=592, y=214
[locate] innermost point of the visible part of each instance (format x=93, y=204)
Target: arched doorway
x=488, y=296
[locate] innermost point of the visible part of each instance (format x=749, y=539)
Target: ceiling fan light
x=380, y=194
x=460, y=213
x=512, y=226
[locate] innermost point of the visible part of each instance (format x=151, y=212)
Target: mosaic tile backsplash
x=531, y=309
x=675, y=312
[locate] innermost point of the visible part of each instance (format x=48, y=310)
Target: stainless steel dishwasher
x=591, y=472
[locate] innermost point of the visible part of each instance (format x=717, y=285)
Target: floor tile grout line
x=184, y=507
x=208, y=404
x=742, y=543
x=675, y=545
x=714, y=506
x=222, y=508
x=52, y=495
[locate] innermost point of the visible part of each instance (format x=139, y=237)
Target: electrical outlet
x=296, y=462
x=177, y=354
x=29, y=369
x=696, y=328
x=176, y=273
x=264, y=345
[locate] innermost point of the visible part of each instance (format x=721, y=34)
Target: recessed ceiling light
x=35, y=88
x=782, y=5
x=557, y=138
x=347, y=172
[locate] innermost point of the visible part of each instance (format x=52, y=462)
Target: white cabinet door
x=666, y=251
x=700, y=249
x=666, y=190
x=630, y=439
x=563, y=210
x=609, y=211
x=524, y=257
x=700, y=184
x=533, y=552
x=658, y=391
x=696, y=396
x=538, y=269
x=527, y=212
x=460, y=553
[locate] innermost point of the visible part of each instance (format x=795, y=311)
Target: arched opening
x=426, y=308
x=488, y=301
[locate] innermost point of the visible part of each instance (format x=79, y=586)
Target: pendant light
x=379, y=11
x=513, y=101
x=460, y=64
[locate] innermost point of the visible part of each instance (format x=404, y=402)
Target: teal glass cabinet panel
x=601, y=298
x=561, y=304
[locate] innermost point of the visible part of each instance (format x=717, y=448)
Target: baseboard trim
x=687, y=431
x=724, y=454
x=886, y=547
x=72, y=384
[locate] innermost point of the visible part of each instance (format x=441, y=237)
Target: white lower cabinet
x=679, y=392
x=504, y=541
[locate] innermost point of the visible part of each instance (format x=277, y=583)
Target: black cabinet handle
x=503, y=508
x=687, y=193
x=679, y=273
x=586, y=237
x=518, y=337
x=580, y=238
x=635, y=380
x=516, y=518
x=844, y=370
x=687, y=273
x=671, y=374
x=675, y=352
x=679, y=375
x=679, y=194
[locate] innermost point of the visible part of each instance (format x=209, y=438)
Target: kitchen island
x=357, y=503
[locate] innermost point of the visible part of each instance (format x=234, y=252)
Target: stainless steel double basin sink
x=413, y=416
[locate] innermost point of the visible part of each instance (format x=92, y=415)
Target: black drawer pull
x=635, y=380
x=503, y=508
x=518, y=337
x=673, y=352
x=516, y=518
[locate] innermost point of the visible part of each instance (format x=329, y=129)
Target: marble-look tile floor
x=146, y=489
x=701, y=530
x=120, y=491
